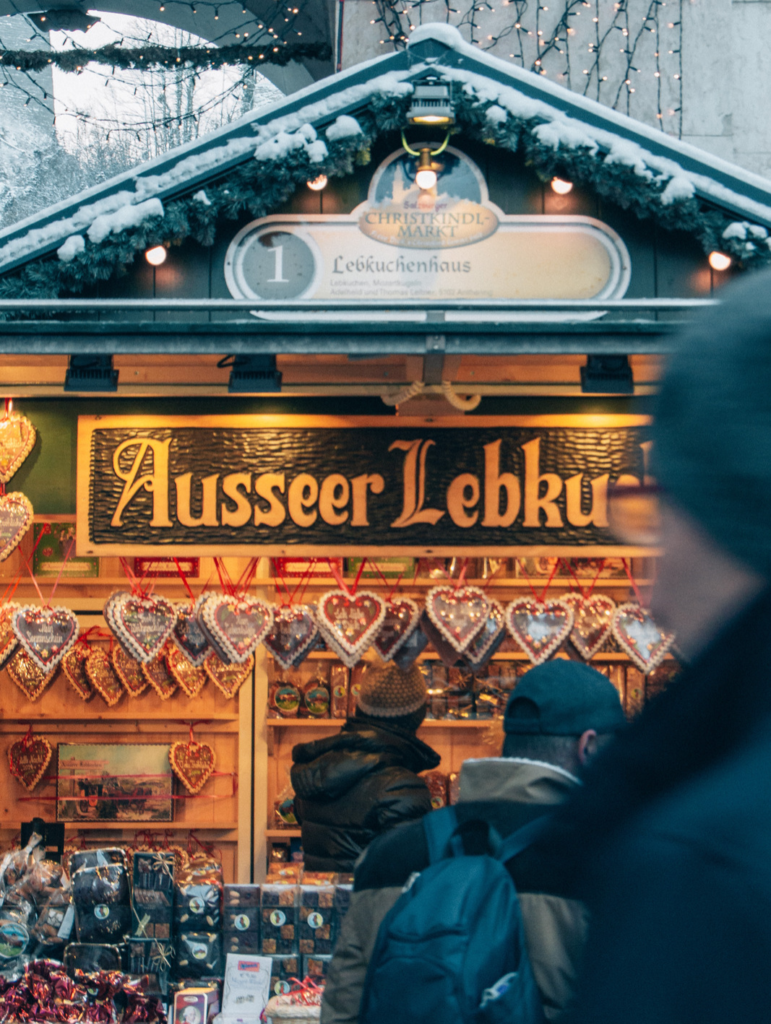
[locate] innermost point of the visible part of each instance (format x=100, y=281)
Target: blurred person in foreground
x=352, y=786
x=671, y=835
x=557, y=718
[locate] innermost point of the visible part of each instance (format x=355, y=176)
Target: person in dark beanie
x=556, y=720
x=351, y=787
x=670, y=838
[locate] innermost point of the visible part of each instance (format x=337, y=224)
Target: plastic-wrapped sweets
x=198, y=896
x=317, y=919
x=101, y=898
x=278, y=926
x=282, y=969
x=199, y=955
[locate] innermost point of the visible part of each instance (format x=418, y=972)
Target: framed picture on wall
x=114, y=782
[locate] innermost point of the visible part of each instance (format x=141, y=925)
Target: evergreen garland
x=252, y=188
x=272, y=51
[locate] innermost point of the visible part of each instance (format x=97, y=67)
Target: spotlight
x=431, y=104
x=318, y=183
x=156, y=255
x=719, y=260
x=561, y=187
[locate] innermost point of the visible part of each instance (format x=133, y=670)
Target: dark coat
x=670, y=845
x=355, y=785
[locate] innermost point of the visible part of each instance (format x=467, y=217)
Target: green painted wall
x=48, y=475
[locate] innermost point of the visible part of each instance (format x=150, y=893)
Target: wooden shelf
x=140, y=826
x=500, y=656
x=336, y=723
x=283, y=833
x=506, y=582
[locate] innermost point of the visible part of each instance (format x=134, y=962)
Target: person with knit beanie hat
x=669, y=839
x=351, y=787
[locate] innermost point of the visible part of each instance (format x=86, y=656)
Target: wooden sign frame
x=89, y=426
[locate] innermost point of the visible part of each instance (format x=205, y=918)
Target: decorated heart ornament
x=227, y=678
x=192, y=763
x=592, y=624
x=292, y=635
x=129, y=671
x=459, y=613
x=46, y=634
x=28, y=759
x=486, y=643
x=411, y=649
x=16, y=514
x=8, y=641
x=191, y=678
x=142, y=625
x=350, y=622
x=189, y=637
x=235, y=625
x=539, y=627
x=449, y=655
x=103, y=677
x=401, y=619
x=29, y=677
x=74, y=668
x=17, y=439
x=640, y=637
x=159, y=677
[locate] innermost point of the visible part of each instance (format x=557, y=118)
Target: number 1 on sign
x=278, y=266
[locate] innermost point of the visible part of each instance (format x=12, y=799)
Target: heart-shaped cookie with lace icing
x=8, y=641
x=350, y=622
x=486, y=643
x=157, y=674
x=191, y=678
x=74, y=668
x=46, y=634
x=193, y=764
x=16, y=514
x=29, y=677
x=539, y=627
x=235, y=625
x=142, y=625
x=401, y=618
x=103, y=676
x=228, y=678
x=640, y=637
x=459, y=613
x=188, y=635
x=28, y=759
x=129, y=671
x=17, y=439
x=592, y=623
x=292, y=635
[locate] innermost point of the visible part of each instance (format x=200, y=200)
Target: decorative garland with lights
x=250, y=189
x=273, y=51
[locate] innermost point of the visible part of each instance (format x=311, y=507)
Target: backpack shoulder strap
x=522, y=838
x=439, y=827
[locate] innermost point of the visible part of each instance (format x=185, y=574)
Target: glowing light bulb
x=719, y=260
x=425, y=178
x=318, y=183
x=561, y=187
x=156, y=255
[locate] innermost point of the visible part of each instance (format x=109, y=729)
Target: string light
x=719, y=260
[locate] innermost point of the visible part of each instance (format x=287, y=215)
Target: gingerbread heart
x=103, y=677
x=28, y=676
x=539, y=627
x=17, y=439
x=640, y=637
x=401, y=619
x=159, y=677
x=350, y=623
x=16, y=514
x=28, y=759
x=192, y=678
x=188, y=635
x=593, y=622
x=8, y=641
x=192, y=763
x=227, y=678
x=235, y=625
x=129, y=671
x=46, y=634
x=445, y=650
x=458, y=613
x=74, y=668
x=141, y=624
x=412, y=648
x=485, y=644
x=292, y=635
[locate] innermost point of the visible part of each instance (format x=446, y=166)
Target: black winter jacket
x=355, y=785
x=669, y=842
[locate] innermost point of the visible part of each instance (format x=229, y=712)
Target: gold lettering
x=414, y=485
x=302, y=494
x=157, y=482
x=534, y=501
x=574, y=505
x=208, y=516
x=457, y=502
x=232, y=486
x=375, y=483
x=264, y=486
x=494, y=482
x=329, y=500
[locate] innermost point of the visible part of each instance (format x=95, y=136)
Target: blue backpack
x=452, y=948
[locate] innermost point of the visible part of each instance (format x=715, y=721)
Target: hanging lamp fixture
x=425, y=176
x=431, y=104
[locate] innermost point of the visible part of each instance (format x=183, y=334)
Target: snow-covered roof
x=564, y=119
